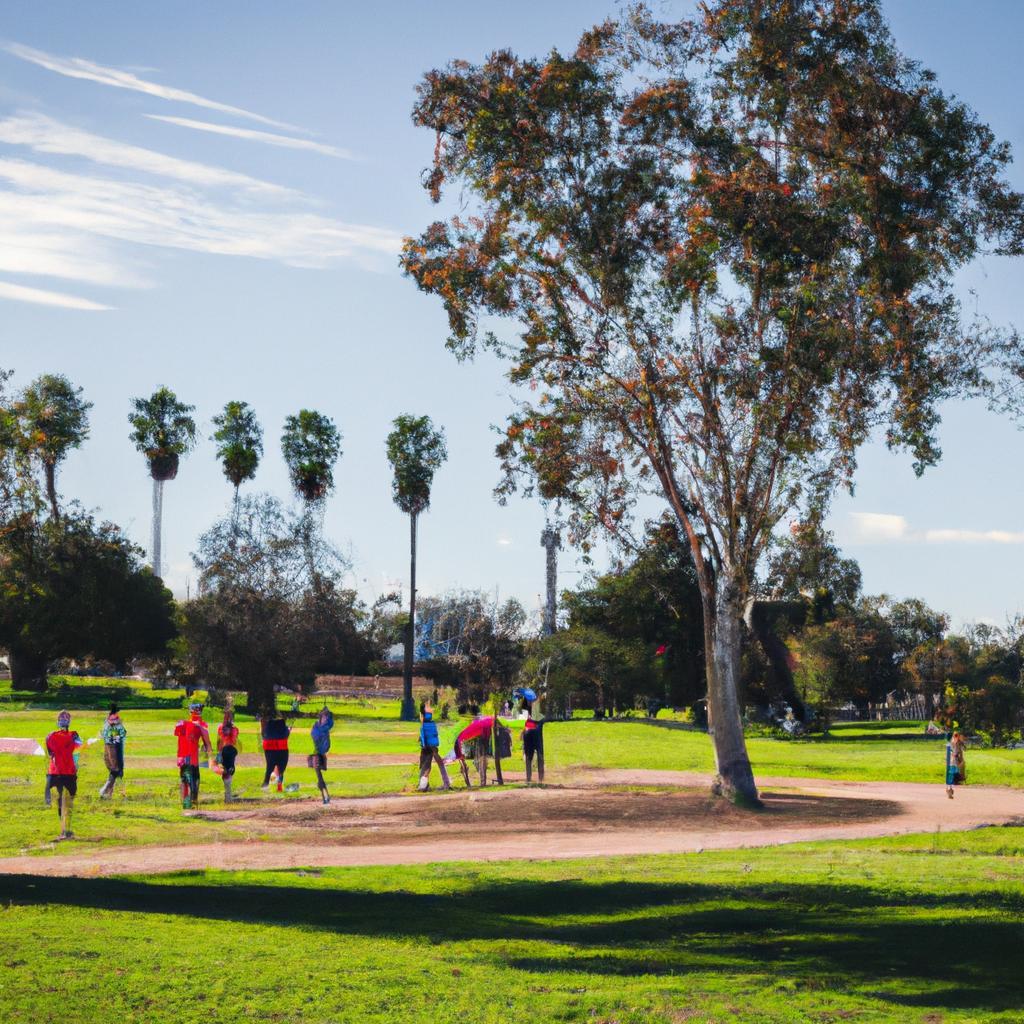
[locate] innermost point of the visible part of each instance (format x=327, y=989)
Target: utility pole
x=551, y=542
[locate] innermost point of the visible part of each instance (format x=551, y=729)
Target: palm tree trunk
x=724, y=630
x=408, y=704
x=158, y=515
x=51, y=489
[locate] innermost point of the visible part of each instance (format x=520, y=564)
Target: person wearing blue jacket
x=321, y=733
x=429, y=749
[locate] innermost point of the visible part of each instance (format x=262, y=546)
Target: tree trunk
x=158, y=513
x=734, y=778
x=408, y=704
x=50, y=469
x=28, y=670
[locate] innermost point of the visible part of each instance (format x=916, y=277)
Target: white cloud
x=504, y=542
x=22, y=293
x=884, y=528
x=66, y=254
x=45, y=135
x=972, y=537
x=268, y=138
x=878, y=527
x=77, y=67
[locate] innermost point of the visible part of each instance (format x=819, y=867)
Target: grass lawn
x=920, y=929
x=150, y=814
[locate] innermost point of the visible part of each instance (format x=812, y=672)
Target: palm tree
x=54, y=418
x=311, y=445
x=416, y=451
x=163, y=431
x=239, y=439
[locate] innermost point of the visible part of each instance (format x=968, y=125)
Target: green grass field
x=150, y=812
x=916, y=929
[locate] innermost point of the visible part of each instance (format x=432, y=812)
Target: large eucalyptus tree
x=731, y=244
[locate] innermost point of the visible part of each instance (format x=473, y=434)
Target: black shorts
x=66, y=782
x=227, y=759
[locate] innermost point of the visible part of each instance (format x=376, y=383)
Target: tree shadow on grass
x=910, y=948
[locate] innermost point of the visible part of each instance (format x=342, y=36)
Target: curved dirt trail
x=599, y=813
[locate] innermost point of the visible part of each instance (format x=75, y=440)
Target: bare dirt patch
x=597, y=814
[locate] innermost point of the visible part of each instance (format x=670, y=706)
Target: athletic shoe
x=327, y=798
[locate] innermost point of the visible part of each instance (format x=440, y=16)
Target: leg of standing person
x=227, y=760
x=529, y=749
x=539, y=742
x=268, y=756
x=194, y=775
x=321, y=782
x=445, y=781
x=47, y=799
x=282, y=764
x=426, y=758
x=464, y=768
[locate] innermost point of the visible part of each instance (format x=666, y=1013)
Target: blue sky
x=211, y=196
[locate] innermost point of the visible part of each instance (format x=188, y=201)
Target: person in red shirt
x=62, y=745
x=191, y=732
x=274, y=733
x=227, y=750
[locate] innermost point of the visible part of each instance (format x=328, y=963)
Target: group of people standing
x=274, y=735
x=486, y=736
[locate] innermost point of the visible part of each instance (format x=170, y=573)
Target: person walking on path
x=113, y=734
x=62, y=746
x=956, y=764
x=430, y=743
x=227, y=751
x=275, y=733
x=533, y=733
x=191, y=732
x=321, y=734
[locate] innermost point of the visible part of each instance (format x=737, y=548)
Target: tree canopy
x=239, y=440
x=268, y=614
x=416, y=451
x=163, y=430
x=54, y=419
x=311, y=445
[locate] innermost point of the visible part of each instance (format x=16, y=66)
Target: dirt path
x=598, y=813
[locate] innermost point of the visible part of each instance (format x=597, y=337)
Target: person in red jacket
x=62, y=745
x=274, y=733
x=191, y=732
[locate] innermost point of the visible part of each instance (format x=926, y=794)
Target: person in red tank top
x=62, y=745
x=191, y=732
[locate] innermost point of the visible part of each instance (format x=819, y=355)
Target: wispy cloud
x=41, y=199
x=884, y=528
x=41, y=297
x=251, y=135
x=78, y=67
x=46, y=135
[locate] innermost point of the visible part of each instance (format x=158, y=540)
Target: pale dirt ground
x=585, y=814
